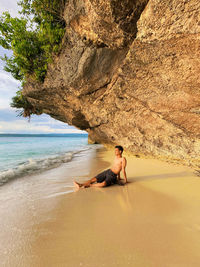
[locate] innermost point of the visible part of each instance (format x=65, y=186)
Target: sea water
x=24, y=154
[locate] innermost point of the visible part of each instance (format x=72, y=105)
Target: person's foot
x=77, y=185
x=86, y=186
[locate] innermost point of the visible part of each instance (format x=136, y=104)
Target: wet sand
x=154, y=220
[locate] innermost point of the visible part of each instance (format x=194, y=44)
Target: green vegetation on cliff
x=33, y=39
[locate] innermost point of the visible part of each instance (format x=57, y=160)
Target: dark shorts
x=108, y=176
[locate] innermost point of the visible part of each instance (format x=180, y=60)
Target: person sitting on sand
x=109, y=176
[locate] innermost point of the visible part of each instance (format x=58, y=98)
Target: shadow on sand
x=162, y=176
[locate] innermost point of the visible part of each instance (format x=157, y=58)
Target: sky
x=9, y=121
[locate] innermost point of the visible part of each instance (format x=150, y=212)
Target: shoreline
x=34, y=166
x=151, y=221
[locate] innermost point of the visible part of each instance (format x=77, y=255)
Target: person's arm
x=98, y=184
x=118, y=176
x=124, y=163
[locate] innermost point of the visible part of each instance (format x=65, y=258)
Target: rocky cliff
x=128, y=74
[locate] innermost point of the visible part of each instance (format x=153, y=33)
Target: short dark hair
x=120, y=148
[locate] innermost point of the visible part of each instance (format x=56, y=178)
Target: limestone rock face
x=129, y=74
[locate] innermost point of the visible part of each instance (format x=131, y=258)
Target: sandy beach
x=154, y=220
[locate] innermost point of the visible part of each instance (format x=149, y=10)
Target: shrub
x=33, y=39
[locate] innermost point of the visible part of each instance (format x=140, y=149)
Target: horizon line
x=45, y=133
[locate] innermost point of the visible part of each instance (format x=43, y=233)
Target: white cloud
x=11, y=6
x=8, y=83
x=4, y=103
x=8, y=88
x=19, y=126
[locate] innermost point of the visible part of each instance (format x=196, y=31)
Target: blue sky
x=9, y=121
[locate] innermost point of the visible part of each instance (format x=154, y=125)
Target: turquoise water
x=25, y=154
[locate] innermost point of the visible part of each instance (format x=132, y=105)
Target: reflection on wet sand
x=154, y=220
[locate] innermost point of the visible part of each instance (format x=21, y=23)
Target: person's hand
x=121, y=182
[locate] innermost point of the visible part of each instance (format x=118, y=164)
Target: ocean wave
x=32, y=166
x=38, y=165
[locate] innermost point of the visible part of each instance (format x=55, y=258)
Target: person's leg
x=86, y=183
x=99, y=178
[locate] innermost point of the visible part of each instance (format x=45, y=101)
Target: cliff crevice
x=128, y=73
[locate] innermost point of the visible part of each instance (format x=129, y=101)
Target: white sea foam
x=34, y=166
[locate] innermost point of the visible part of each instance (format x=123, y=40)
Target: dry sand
x=154, y=220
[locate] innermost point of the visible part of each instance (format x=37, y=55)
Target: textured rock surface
x=128, y=74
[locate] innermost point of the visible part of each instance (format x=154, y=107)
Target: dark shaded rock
x=128, y=73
